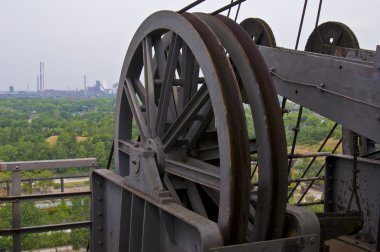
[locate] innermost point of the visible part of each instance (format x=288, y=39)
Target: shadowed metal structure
x=192, y=176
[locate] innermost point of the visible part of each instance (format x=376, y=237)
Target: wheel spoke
x=160, y=47
x=198, y=127
x=189, y=75
x=186, y=117
x=195, y=199
x=213, y=194
x=196, y=171
x=139, y=88
x=136, y=110
x=258, y=37
x=211, y=152
x=159, y=65
x=167, y=83
x=151, y=108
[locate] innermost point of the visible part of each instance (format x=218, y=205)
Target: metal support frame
x=337, y=88
x=338, y=188
x=126, y=219
x=16, y=198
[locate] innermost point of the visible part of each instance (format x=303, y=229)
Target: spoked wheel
x=325, y=39
x=260, y=31
x=331, y=34
x=270, y=186
x=178, y=87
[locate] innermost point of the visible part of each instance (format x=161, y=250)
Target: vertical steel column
x=16, y=207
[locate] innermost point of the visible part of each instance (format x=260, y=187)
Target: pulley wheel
x=260, y=31
x=178, y=87
x=250, y=68
x=331, y=34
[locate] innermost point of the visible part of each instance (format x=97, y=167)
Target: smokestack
x=38, y=83
x=43, y=76
x=85, y=81
x=40, y=88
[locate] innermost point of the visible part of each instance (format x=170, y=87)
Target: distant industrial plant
x=96, y=90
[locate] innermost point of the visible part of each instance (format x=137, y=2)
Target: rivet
x=100, y=213
x=100, y=228
x=312, y=240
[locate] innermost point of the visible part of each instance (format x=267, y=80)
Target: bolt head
x=312, y=240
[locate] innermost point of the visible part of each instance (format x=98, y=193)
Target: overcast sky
x=90, y=37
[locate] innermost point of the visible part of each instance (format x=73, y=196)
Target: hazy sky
x=90, y=37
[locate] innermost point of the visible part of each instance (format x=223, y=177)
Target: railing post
x=8, y=191
x=62, y=185
x=16, y=207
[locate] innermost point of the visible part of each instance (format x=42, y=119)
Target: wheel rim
x=146, y=57
x=273, y=148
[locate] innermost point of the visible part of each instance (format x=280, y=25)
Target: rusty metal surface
x=339, y=190
x=306, y=243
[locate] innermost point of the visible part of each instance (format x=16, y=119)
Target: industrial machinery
x=192, y=176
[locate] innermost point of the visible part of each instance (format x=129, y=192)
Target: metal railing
x=15, y=197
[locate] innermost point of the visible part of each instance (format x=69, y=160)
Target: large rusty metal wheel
x=178, y=87
x=269, y=192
